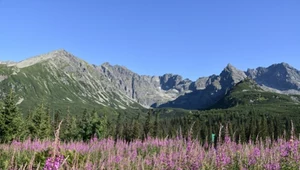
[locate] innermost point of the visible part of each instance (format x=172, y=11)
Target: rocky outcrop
x=207, y=91
x=146, y=90
x=280, y=77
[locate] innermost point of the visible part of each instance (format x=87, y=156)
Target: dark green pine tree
x=69, y=128
x=136, y=128
x=277, y=128
x=242, y=134
x=39, y=123
x=1, y=120
x=253, y=127
x=271, y=129
x=127, y=132
x=1, y=106
x=155, y=125
x=56, y=118
x=85, y=126
x=11, y=126
x=147, y=125
x=99, y=125
x=258, y=128
x=110, y=128
x=103, y=128
x=118, y=128
x=288, y=128
x=264, y=127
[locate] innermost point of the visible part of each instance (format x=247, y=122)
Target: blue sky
x=192, y=38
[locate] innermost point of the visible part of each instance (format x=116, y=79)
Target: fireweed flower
x=223, y=159
x=284, y=150
x=155, y=153
x=148, y=162
x=227, y=139
x=89, y=166
x=254, y=156
x=54, y=163
x=272, y=166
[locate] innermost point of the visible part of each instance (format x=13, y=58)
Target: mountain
x=277, y=77
x=206, y=91
x=247, y=93
x=61, y=79
x=145, y=90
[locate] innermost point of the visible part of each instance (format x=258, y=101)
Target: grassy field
x=153, y=153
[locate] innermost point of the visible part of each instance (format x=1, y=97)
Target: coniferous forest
x=42, y=121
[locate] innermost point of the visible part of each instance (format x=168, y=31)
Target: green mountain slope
x=62, y=82
x=248, y=95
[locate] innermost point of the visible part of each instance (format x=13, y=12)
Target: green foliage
x=41, y=157
x=74, y=157
x=136, y=131
x=69, y=128
x=2, y=122
x=39, y=123
x=156, y=125
x=11, y=126
x=248, y=94
x=91, y=124
x=99, y=125
x=118, y=128
x=85, y=126
x=4, y=159
x=147, y=125
x=56, y=119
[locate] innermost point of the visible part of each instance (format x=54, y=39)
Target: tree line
x=40, y=123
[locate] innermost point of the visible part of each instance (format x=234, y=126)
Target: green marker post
x=213, y=138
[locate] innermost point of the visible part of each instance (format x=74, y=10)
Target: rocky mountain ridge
x=118, y=87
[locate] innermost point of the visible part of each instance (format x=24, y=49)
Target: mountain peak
x=282, y=65
x=234, y=73
x=286, y=65
x=280, y=76
x=230, y=67
x=106, y=64
x=119, y=67
x=60, y=53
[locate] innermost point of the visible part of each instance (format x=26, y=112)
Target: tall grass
x=152, y=153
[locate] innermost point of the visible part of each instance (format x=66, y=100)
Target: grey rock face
x=207, y=91
x=200, y=83
x=146, y=90
x=170, y=81
x=282, y=77
x=233, y=74
x=171, y=90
